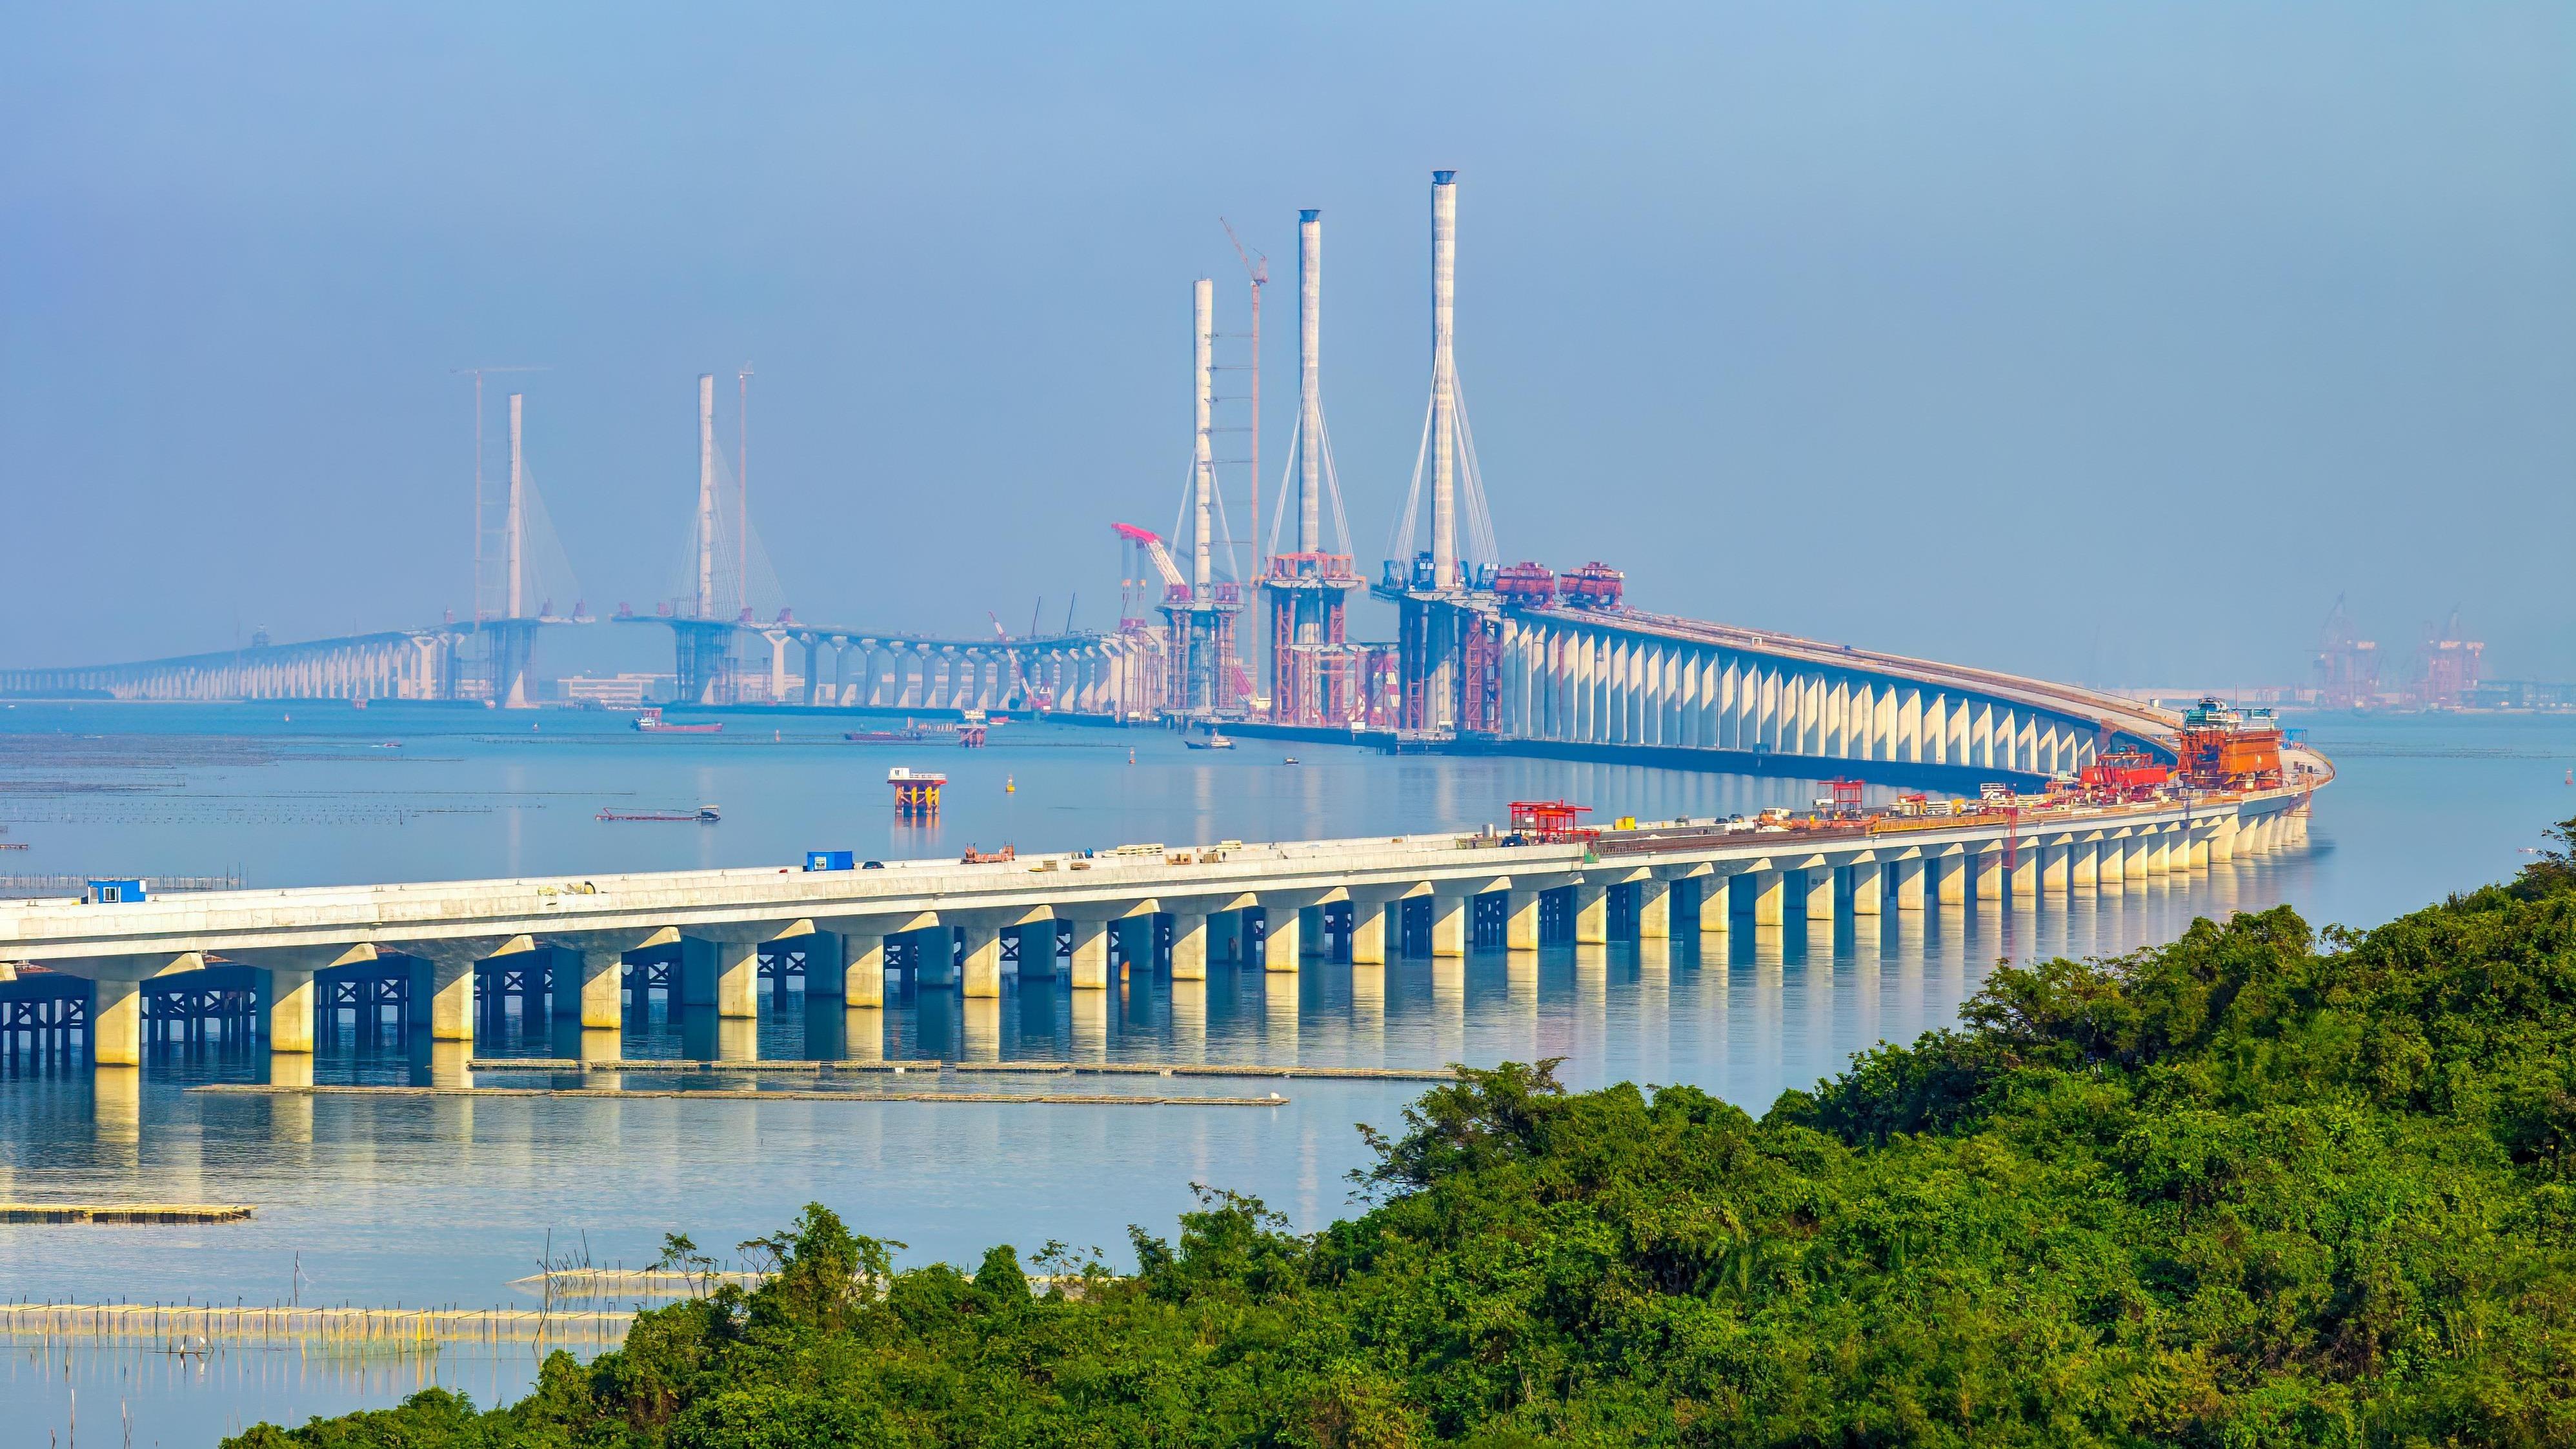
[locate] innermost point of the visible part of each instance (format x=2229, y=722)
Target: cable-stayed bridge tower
x=1448, y=630
x=1315, y=671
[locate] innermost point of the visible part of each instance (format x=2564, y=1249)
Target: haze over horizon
x=2101, y=345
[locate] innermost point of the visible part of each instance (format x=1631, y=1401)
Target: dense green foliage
x=2236, y=1190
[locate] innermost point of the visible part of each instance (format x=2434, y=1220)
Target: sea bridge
x=582, y=943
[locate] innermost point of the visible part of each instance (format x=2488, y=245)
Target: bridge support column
x=1280, y=947
x=287, y=999
x=862, y=969
x=1949, y=877
x=1449, y=920
x=1654, y=910
x=1987, y=869
x=1090, y=955
x=2159, y=853
x=2084, y=866
x=2025, y=876
x=2053, y=872
x=983, y=960
x=1037, y=951
x=600, y=1003
x=1820, y=892
x=1368, y=929
x=2200, y=849
x=1520, y=920
x=1189, y=946
x=934, y=954
x=721, y=974
x=1770, y=897
x=116, y=1022
x=2133, y=858
x=1868, y=893
x=1591, y=915
x=1909, y=883
x=1310, y=931
x=1716, y=903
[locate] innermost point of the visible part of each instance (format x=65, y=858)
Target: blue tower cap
x=1309, y=213
x=1443, y=178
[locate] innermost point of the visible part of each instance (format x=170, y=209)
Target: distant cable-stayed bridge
x=1489, y=655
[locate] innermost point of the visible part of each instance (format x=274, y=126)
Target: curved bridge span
x=1617, y=681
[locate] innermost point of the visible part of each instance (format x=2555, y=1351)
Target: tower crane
x=1257, y=267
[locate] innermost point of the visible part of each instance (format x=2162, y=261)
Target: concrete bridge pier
x=1770, y=897
x=1037, y=950
x=1868, y=887
x=2025, y=876
x=863, y=967
x=1090, y=955
x=724, y=975
x=1452, y=915
x=981, y=961
x=442, y=981
x=1820, y=890
x=1189, y=946
x=2083, y=866
x=286, y=992
x=1654, y=909
x=1520, y=918
x=1369, y=925
x=1909, y=882
x=1988, y=869
x=1713, y=903
x=1591, y=913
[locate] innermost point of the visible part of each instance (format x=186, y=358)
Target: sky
x=2109, y=343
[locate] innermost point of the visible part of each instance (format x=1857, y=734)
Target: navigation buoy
x=1131, y=757
x=1010, y=786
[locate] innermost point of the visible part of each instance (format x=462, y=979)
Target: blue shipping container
x=831, y=860
x=113, y=892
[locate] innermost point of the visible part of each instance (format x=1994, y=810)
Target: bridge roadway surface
x=719, y=919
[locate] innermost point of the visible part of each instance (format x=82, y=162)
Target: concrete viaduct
x=1273, y=901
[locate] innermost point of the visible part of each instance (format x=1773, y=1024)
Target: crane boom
x=1152, y=543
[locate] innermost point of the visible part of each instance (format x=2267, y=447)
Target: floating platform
x=729, y=1094
x=184, y=1328
x=123, y=1213
x=1033, y=1068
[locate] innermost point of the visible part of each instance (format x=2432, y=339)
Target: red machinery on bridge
x=1550, y=822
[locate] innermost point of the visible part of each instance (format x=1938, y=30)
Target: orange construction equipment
x=987, y=857
x=916, y=792
x=2125, y=775
x=1549, y=822
x=2229, y=749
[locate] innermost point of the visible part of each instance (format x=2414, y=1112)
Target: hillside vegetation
x=2237, y=1190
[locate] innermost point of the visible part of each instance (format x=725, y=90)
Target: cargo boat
x=703, y=815
x=651, y=722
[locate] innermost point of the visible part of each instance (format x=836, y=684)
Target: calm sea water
x=448, y=1200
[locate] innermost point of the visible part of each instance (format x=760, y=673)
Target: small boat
x=651, y=722
x=1212, y=742
x=703, y=815
x=1290, y=760
x=386, y=745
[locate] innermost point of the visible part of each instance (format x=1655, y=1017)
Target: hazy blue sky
x=2102, y=341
